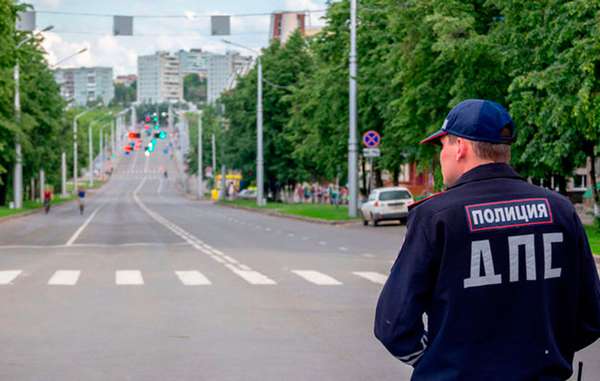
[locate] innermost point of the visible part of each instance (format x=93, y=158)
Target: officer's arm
x=588, y=326
x=399, y=316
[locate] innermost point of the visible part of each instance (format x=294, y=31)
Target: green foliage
x=124, y=95
x=418, y=59
x=194, y=89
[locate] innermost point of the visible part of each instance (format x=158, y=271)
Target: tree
x=194, y=89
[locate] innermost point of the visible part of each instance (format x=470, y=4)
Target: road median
x=316, y=213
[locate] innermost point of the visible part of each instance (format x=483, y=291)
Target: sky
x=74, y=32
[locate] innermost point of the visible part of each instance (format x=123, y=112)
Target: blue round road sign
x=371, y=139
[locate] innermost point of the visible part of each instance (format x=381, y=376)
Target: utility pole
x=214, y=158
x=18, y=175
x=352, y=141
x=200, y=166
x=101, y=155
x=42, y=184
x=260, y=182
x=63, y=168
x=90, y=156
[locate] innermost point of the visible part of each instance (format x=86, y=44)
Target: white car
x=386, y=204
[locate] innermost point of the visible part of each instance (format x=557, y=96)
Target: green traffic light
x=162, y=135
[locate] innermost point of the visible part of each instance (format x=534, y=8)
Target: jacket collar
x=487, y=171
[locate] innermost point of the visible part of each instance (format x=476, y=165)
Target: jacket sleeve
x=588, y=324
x=406, y=294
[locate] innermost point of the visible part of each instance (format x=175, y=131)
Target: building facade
x=86, y=84
x=193, y=62
x=159, y=78
x=222, y=71
x=126, y=80
x=283, y=24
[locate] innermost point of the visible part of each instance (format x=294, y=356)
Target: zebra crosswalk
x=132, y=277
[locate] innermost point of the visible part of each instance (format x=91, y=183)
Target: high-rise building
x=126, y=80
x=86, y=84
x=222, y=70
x=159, y=79
x=193, y=62
x=283, y=24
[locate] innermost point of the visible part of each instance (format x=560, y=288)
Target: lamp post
x=352, y=141
x=260, y=200
x=18, y=170
x=75, y=149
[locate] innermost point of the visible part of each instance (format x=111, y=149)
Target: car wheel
x=403, y=221
x=375, y=222
x=365, y=222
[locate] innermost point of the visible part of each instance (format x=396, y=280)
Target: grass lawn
x=594, y=238
x=320, y=211
x=31, y=205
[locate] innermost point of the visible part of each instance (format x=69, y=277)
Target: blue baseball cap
x=479, y=120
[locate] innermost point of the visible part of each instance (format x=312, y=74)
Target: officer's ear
x=462, y=149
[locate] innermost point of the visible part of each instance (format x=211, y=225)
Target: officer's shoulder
x=427, y=202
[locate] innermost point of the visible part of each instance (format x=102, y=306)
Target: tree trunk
x=595, y=192
x=396, y=174
x=364, y=176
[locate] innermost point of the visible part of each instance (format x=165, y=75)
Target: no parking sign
x=371, y=139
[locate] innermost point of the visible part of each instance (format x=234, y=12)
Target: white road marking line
x=64, y=278
x=368, y=255
x=160, y=185
x=192, y=278
x=146, y=164
x=342, y=248
x=6, y=277
x=82, y=227
x=317, y=278
x=267, y=229
x=322, y=243
x=305, y=238
x=232, y=264
x=128, y=277
x=252, y=277
x=291, y=235
x=372, y=276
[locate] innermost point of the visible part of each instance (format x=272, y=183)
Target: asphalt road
x=150, y=285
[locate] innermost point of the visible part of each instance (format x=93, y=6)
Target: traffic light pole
x=63, y=168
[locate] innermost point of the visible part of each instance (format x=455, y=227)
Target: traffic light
x=146, y=126
x=162, y=135
x=134, y=135
x=147, y=118
x=127, y=148
x=155, y=119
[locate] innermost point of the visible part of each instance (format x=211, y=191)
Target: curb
x=597, y=259
x=289, y=216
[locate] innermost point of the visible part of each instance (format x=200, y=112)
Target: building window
x=580, y=182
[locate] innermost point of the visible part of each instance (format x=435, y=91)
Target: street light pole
x=75, y=149
x=18, y=170
x=200, y=166
x=90, y=156
x=260, y=200
x=352, y=141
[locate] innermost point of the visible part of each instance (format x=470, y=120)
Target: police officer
x=495, y=279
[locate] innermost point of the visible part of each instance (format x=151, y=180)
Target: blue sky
x=72, y=33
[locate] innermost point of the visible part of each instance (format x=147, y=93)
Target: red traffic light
x=134, y=135
x=147, y=118
x=127, y=148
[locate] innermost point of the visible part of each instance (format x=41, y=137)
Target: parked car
x=248, y=194
x=385, y=204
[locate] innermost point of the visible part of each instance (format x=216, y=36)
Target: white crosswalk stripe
x=129, y=277
x=196, y=278
x=192, y=278
x=372, y=276
x=64, y=278
x=252, y=277
x=6, y=277
x=317, y=278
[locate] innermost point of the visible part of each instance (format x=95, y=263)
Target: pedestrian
x=502, y=269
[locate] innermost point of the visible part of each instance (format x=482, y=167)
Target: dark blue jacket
x=503, y=272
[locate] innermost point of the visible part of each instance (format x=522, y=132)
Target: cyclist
x=81, y=197
x=47, y=198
